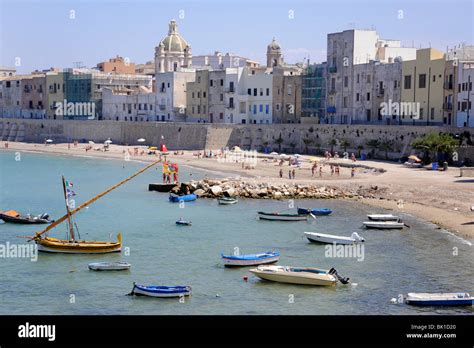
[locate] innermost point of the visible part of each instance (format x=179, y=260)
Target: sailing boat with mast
x=74, y=244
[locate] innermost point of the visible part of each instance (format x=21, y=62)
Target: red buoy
x=245, y=278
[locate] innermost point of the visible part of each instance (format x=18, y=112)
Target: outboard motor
x=44, y=216
x=356, y=237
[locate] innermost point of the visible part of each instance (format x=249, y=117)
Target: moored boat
x=227, y=200
x=109, y=266
x=383, y=217
x=384, y=224
x=315, y=211
x=182, y=222
x=184, y=198
x=333, y=239
x=281, y=217
x=440, y=299
x=250, y=259
x=161, y=291
x=299, y=275
x=15, y=217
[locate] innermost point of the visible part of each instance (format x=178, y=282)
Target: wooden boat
x=227, y=200
x=384, y=224
x=383, y=217
x=282, y=217
x=185, y=198
x=440, y=299
x=250, y=259
x=110, y=266
x=316, y=211
x=183, y=222
x=298, y=275
x=161, y=187
x=16, y=218
x=332, y=239
x=74, y=245
x=160, y=291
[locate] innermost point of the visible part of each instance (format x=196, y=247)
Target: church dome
x=173, y=42
x=273, y=46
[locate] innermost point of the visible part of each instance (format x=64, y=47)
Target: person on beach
x=281, y=173
x=353, y=172
x=312, y=170
x=6, y=145
x=289, y=174
x=321, y=171
x=332, y=170
x=293, y=173
x=353, y=157
x=69, y=146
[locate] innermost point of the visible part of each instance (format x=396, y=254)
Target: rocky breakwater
x=215, y=188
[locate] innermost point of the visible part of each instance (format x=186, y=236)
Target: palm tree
x=359, y=149
x=307, y=142
x=332, y=143
x=279, y=141
x=386, y=145
x=373, y=144
x=434, y=143
x=345, y=144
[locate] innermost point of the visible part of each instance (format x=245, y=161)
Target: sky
x=37, y=34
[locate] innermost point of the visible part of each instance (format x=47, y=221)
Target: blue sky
x=42, y=34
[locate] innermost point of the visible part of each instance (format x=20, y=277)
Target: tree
x=279, y=141
x=332, y=143
x=433, y=144
x=359, y=149
x=386, y=146
x=345, y=144
x=373, y=144
x=307, y=142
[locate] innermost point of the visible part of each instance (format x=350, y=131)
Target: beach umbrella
x=91, y=142
x=282, y=155
x=141, y=140
x=297, y=155
x=236, y=149
x=108, y=141
x=414, y=158
x=274, y=153
x=49, y=140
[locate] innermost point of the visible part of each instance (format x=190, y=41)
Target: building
x=11, y=92
x=117, y=65
x=346, y=50
x=313, y=92
x=55, y=93
x=172, y=52
x=145, y=69
x=34, y=96
x=464, y=97
x=219, y=61
x=7, y=72
x=171, y=94
x=422, y=86
x=197, y=94
x=124, y=104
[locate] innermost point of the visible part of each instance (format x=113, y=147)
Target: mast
x=68, y=212
x=93, y=199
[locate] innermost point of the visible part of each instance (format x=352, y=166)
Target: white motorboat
x=384, y=224
x=383, y=217
x=109, y=266
x=298, y=275
x=440, y=299
x=332, y=239
x=281, y=217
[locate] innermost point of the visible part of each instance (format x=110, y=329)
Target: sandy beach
x=443, y=198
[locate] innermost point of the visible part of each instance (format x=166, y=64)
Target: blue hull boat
x=439, y=299
x=183, y=223
x=316, y=211
x=185, y=198
x=250, y=259
x=160, y=291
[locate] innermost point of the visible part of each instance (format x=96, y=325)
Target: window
x=255, y=92
x=249, y=91
x=192, y=95
x=221, y=96
x=199, y=95
x=422, y=81
x=434, y=78
x=344, y=104
x=199, y=79
x=204, y=94
x=346, y=81
x=421, y=113
x=222, y=82
x=368, y=114
x=407, y=82
x=358, y=78
x=261, y=92
x=277, y=107
x=211, y=83
x=368, y=79
x=268, y=91
x=261, y=108
x=357, y=97
x=432, y=113
x=267, y=109
x=221, y=116
x=395, y=84
x=255, y=109
x=290, y=89
x=368, y=96
x=199, y=109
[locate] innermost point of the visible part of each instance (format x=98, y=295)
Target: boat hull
x=162, y=292
x=439, y=299
x=282, y=217
x=250, y=260
x=109, y=266
x=226, y=202
x=54, y=245
x=328, y=239
x=383, y=225
x=382, y=217
x=23, y=220
x=317, y=212
x=185, y=198
x=300, y=278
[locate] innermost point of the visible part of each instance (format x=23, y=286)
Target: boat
x=74, y=244
x=160, y=291
x=161, y=187
x=298, y=275
x=383, y=217
x=183, y=222
x=316, y=211
x=250, y=259
x=16, y=218
x=384, y=224
x=184, y=198
x=440, y=299
x=109, y=266
x=332, y=239
x=227, y=200
x=281, y=217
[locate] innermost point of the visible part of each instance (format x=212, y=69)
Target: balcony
x=332, y=91
x=332, y=70
x=162, y=107
x=331, y=109
x=381, y=92
x=230, y=106
x=448, y=106
x=163, y=90
x=448, y=85
x=230, y=90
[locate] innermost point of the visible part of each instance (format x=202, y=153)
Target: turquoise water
x=419, y=259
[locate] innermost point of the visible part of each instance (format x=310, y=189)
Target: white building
x=345, y=50
x=171, y=94
x=219, y=61
x=464, y=114
x=129, y=105
x=172, y=52
x=6, y=72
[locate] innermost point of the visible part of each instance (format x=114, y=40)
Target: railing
x=162, y=90
x=331, y=109
x=332, y=70
x=332, y=91
x=381, y=92
x=230, y=90
x=230, y=106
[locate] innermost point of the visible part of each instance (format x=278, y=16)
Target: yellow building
x=197, y=94
x=422, y=88
x=55, y=90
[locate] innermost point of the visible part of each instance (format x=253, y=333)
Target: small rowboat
x=160, y=291
x=332, y=239
x=383, y=217
x=384, y=224
x=227, y=200
x=316, y=211
x=183, y=222
x=16, y=218
x=298, y=275
x=109, y=266
x=440, y=299
x=282, y=217
x=250, y=259
x=185, y=198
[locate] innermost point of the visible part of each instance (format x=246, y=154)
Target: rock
x=216, y=190
x=277, y=195
x=199, y=192
x=230, y=192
